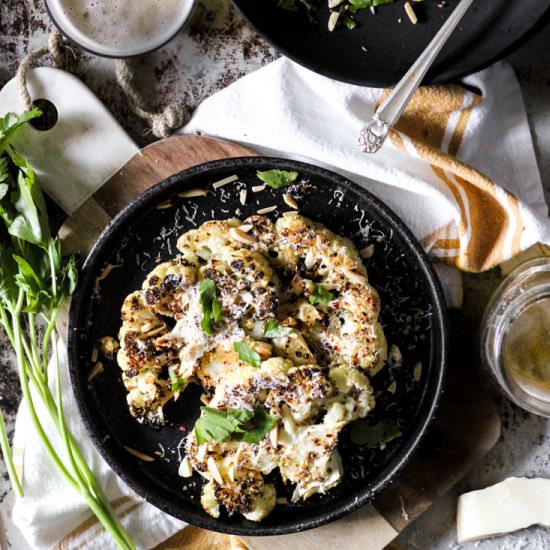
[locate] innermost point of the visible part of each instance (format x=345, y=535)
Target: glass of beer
x=119, y=28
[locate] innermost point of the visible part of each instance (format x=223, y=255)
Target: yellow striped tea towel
x=459, y=167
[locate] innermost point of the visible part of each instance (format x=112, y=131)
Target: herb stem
x=8, y=458
x=27, y=397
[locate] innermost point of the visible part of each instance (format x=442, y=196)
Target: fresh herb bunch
x=345, y=9
x=34, y=281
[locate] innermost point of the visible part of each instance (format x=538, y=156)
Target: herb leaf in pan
x=234, y=424
x=321, y=296
x=247, y=354
x=211, y=308
x=273, y=329
x=376, y=435
x=277, y=178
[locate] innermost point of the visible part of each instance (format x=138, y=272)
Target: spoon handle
x=372, y=136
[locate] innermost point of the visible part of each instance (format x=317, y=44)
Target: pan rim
x=434, y=386
x=444, y=76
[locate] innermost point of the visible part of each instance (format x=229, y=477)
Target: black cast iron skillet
x=380, y=50
x=413, y=314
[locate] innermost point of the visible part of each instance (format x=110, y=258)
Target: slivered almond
x=258, y=188
x=105, y=272
x=410, y=13
x=332, y=20
x=392, y=387
x=266, y=210
x=225, y=181
x=355, y=277
x=164, y=205
x=95, y=354
x=274, y=435
x=242, y=196
x=290, y=201
x=290, y=213
x=96, y=369
x=246, y=227
x=334, y=3
x=191, y=193
x=213, y=470
x=241, y=236
x=185, y=469
x=139, y=454
x=201, y=452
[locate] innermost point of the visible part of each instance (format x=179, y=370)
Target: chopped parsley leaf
x=247, y=354
x=321, y=296
x=277, y=178
x=211, y=308
x=273, y=329
x=234, y=424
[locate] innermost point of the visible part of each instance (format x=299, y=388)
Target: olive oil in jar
x=515, y=338
x=526, y=349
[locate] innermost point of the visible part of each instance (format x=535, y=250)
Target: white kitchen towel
x=52, y=515
x=459, y=167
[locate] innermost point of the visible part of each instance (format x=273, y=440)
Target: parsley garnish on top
x=321, y=296
x=234, y=424
x=273, y=329
x=211, y=308
x=178, y=384
x=277, y=178
x=247, y=354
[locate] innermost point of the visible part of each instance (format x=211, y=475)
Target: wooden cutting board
x=467, y=426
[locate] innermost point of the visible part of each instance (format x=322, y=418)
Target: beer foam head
x=120, y=28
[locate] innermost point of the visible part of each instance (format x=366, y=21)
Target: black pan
x=142, y=235
x=490, y=30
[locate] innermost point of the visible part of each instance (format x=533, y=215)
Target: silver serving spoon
x=372, y=136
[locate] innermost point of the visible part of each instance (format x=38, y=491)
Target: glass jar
x=515, y=338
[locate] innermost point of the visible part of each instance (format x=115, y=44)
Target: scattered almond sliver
x=274, y=435
x=225, y=181
x=213, y=470
x=164, y=205
x=105, y=273
x=410, y=13
x=266, y=210
x=258, y=188
x=240, y=236
x=242, y=196
x=95, y=354
x=185, y=469
x=139, y=454
x=246, y=227
x=290, y=201
x=190, y=193
x=332, y=20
